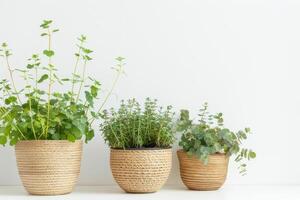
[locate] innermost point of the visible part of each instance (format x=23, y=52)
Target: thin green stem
x=82, y=81
x=109, y=93
x=112, y=130
x=75, y=69
x=36, y=89
x=12, y=78
x=30, y=107
x=36, y=78
x=10, y=118
x=49, y=86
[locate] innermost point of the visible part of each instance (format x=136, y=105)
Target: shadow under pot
x=197, y=176
x=141, y=170
x=49, y=167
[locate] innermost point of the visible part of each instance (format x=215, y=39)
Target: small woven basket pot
x=141, y=171
x=49, y=167
x=197, y=176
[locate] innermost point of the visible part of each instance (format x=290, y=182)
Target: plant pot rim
x=48, y=141
x=215, y=154
x=141, y=149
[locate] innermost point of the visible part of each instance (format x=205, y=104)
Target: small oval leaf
x=44, y=77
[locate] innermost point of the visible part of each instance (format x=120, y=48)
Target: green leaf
x=55, y=136
x=10, y=100
x=89, y=136
x=76, y=132
x=252, y=154
x=82, y=38
x=55, y=30
x=48, y=53
x=43, y=34
x=184, y=115
x=13, y=141
x=89, y=98
x=4, y=44
x=87, y=51
x=43, y=77
x=30, y=66
x=120, y=59
x=94, y=91
x=3, y=140
x=53, y=101
x=86, y=57
x=46, y=24
x=71, y=138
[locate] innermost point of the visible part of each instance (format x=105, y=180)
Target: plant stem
x=36, y=77
x=30, y=107
x=82, y=81
x=12, y=78
x=36, y=89
x=109, y=93
x=49, y=86
x=75, y=69
x=10, y=118
x=112, y=130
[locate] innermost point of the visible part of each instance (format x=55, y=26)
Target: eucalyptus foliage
x=132, y=126
x=209, y=136
x=33, y=113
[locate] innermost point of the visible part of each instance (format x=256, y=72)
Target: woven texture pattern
x=141, y=171
x=49, y=167
x=197, y=176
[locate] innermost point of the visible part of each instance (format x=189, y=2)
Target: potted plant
x=47, y=126
x=140, y=141
x=206, y=148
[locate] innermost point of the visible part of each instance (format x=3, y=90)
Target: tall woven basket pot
x=197, y=176
x=141, y=171
x=49, y=167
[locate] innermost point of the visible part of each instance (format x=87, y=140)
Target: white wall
x=242, y=56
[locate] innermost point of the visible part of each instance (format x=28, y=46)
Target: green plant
x=209, y=137
x=34, y=113
x=134, y=127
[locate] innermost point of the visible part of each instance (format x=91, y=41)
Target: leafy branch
x=6, y=54
x=50, y=115
x=119, y=68
x=209, y=136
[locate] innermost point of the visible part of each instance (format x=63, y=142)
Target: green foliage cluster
x=132, y=126
x=36, y=114
x=209, y=136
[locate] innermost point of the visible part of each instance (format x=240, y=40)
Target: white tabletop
x=228, y=192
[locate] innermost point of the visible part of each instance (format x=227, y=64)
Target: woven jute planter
x=197, y=176
x=141, y=171
x=49, y=167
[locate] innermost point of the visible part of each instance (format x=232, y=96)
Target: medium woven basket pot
x=197, y=176
x=49, y=167
x=141, y=171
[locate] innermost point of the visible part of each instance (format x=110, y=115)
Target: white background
x=242, y=56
